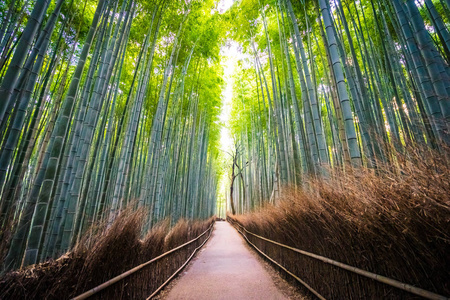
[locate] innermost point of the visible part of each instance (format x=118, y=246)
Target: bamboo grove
x=335, y=84
x=104, y=105
x=107, y=105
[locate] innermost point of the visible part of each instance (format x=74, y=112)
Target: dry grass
x=105, y=255
x=395, y=222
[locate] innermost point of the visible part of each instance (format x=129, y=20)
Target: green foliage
x=128, y=106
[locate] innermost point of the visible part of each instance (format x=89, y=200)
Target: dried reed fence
x=395, y=222
x=113, y=253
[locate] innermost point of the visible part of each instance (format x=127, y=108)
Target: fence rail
x=385, y=280
x=124, y=275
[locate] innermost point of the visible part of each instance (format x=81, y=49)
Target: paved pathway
x=225, y=269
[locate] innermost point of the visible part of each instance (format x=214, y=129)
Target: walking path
x=225, y=269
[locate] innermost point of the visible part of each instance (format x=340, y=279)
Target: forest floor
x=228, y=269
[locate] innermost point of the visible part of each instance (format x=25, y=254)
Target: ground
x=227, y=268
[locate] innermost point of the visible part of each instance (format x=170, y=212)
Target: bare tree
x=236, y=171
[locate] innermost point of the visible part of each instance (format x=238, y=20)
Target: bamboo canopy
x=108, y=105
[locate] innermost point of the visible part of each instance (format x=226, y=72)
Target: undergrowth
x=102, y=256
x=394, y=221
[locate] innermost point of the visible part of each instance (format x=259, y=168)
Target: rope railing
x=120, y=277
x=284, y=269
x=179, y=269
x=383, y=279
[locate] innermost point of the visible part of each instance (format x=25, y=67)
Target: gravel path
x=225, y=269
